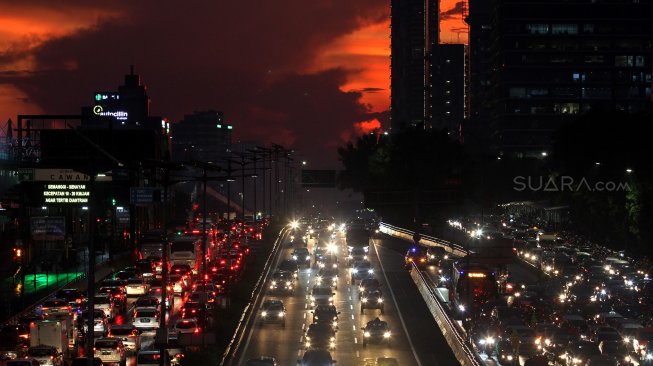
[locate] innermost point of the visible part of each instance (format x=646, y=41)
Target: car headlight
x=332, y=339
x=649, y=356
x=350, y=257
x=366, y=334
x=386, y=335
x=264, y=314
x=335, y=279
x=308, y=339
x=330, y=299
x=364, y=299
x=361, y=289
x=294, y=257
x=274, y=283
x=335, y=323
x=308, y=344
x=308, y=257
x=312, y=298
x=288, y=283
x=354, y=270
x=318, y=278
x=365, y=257
x=380, y=299
x=461, y=307
x=281, y=314
x=370, y=270
x=509, y=357
x=576, y=360
x=489, y=340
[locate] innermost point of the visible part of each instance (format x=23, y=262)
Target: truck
x=50, y=333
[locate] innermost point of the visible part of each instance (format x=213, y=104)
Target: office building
x=547, y=62
x=203, y=136
x=414, y=28
x=448, y=93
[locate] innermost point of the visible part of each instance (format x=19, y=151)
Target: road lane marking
x=356, y=341
x=352, y=316
x=401, y=318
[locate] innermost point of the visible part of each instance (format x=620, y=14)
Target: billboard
x=48, y=227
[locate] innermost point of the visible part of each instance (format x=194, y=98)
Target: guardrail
x=451, y=330
x=456, y=250
x=231, y=354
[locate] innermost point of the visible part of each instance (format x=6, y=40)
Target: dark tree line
x=425, y=173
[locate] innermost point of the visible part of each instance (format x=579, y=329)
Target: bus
x=186, y=250
x=472, y=286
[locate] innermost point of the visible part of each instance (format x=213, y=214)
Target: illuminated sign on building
x=476, y=275
x=98, y=110
x=106, y=96
x=66, y=193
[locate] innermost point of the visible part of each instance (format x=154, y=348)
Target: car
x=46, y=355
x=22, y=362
x=103, y=302
x=282, y=282
x=320, y=336
x=436, y=254
x=110, y=350
x=372, y=299
x=74, y=297
x=321, y=295
x=261, y=361
x=376, y=330
x=152, y=358
x=156, y=287
x=107, y=282
x=316, y=357
x=617, y=349
x=302, y=256
x=146, y=318
x=187, y=326
x=148, y=302
x=183, y=270
x=100, y=320
x=146, y=267
x=55, y=307
x=290, y=266
x=328, y=260
x=118, y=297
x=83, y=361
x=326, y=314
x=128, y=334
x=418, y=256
x=178, y=283
x=327, y=276
x=356, y=254
x=578, y=353
x=369, y=284
x=136, y=286
x=197, y=310
x=361, y=270
x=273, y=311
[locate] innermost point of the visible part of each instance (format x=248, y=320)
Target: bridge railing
x=453, y=332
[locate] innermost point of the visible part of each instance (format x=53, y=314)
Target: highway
x=415, y=336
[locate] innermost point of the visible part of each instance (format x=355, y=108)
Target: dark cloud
x=456, y=11
x=246, y=58
x=370, y=90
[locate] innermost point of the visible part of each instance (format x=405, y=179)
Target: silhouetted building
x=550, y=61
x=448, y=87
x=414, y=28
x=203, y=136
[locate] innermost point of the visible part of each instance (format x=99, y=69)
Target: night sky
x=304, y=74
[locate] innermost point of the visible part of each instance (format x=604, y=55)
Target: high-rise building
x=203, y=136
x=414, y=28
x=550, y=61
x=448, y=91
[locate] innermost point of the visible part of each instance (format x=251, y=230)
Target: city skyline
x=336, y=75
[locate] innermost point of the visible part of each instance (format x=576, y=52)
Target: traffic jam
x=128, y=304
x=563, y=301
x=328, y=280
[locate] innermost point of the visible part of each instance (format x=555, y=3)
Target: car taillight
x=197, y=330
